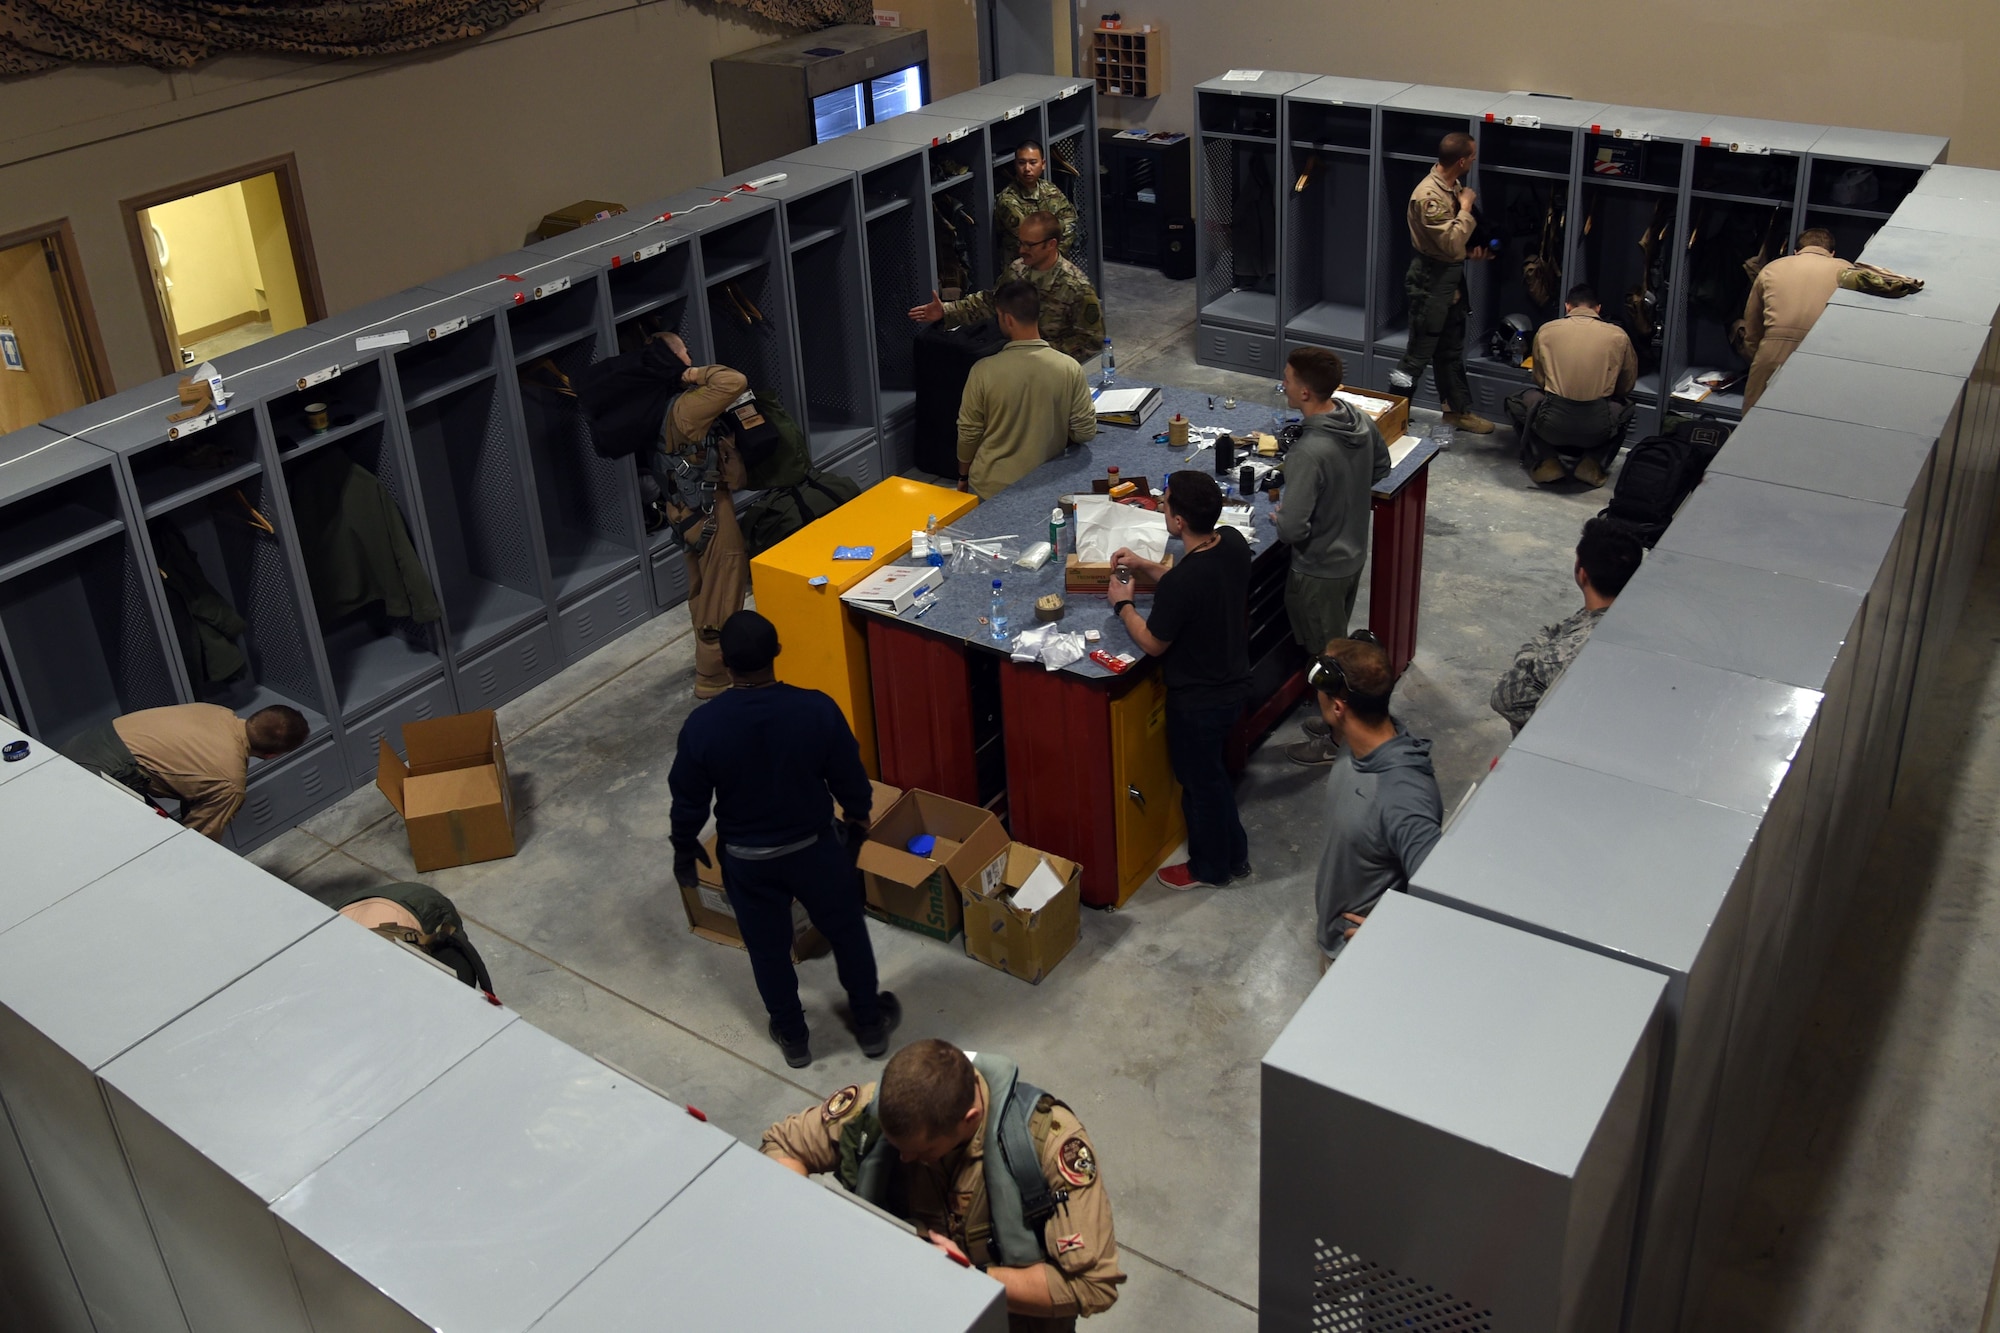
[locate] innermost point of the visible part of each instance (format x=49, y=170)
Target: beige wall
x=265, y=214
x=1923, y=66
x=951, y=31
x=410, y=169
x=28, y=304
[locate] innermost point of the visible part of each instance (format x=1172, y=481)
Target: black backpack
x=1659, y=472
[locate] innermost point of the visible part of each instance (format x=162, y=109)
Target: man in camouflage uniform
x=1606, y=558
x=1072, y=316
x=1441, y=220
x=1031, y=192
x=927, y=1145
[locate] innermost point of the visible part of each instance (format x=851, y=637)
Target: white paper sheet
x=1040, y=890
x=1103, y=525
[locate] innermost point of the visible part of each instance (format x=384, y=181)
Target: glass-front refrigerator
x=804, y=90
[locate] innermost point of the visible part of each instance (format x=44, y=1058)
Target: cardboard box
x=453, y=793
x=1095, y=576
x=1390, y=412
x=922, y=893
x=1022, y=944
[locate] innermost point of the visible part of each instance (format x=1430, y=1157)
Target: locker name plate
x=1762, y=150
x=648, y=251
x=319, y=377
x=551, y=287
x=450, y=326
x=189, y=427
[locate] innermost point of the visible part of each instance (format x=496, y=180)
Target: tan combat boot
x=1469, y=422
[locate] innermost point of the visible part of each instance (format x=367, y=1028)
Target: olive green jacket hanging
x=356, y=547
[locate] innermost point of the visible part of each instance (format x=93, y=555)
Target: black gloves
x=686, y=852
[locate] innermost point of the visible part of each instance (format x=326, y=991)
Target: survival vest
x=1019, y=1200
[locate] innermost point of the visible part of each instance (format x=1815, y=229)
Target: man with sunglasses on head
x=1384, y=812
x=1072, y=318
x=1200, y=629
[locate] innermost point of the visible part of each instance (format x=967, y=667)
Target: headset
x=1330, y=678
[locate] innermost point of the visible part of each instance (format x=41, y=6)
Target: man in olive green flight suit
x=1441, y=221
x=1072, y=316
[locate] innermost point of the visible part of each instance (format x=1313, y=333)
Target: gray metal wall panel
x=1474, y=1197
x=861, y=1274
x=1858, y=462
x=40, y=1292
x=1788, y=531
x=91, y=829
x=1833, y=389
x=37, y=755
x=483, y=1199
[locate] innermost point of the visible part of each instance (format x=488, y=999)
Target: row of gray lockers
x=224, y=1107
x=1302, y=183
x=1539, y=1083
x=445, y=536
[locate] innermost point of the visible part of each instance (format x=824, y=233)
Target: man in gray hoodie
x=1384, y=812
x=1329, y=474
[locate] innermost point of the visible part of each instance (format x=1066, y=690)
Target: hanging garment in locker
x=356, y=547
x=205, y=625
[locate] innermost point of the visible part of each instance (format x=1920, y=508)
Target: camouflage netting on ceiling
x=175, y=34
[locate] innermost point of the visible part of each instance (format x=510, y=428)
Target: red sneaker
x=1181, y=877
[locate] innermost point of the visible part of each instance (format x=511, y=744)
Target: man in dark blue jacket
x=775, y=758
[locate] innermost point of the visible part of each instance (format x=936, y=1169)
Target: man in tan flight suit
x=718, y=565
x=1786, y=300
x=1573, y=423
x=197, y=754
x=1441, y=220
x=925, y=1145
x=1072, y=318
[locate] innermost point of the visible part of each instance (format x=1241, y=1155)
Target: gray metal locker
x=1855, y=179
x=475, y=489
x=1468, y=1157
x=1239, y=194
x=827, y=269
x=959, y=189
x=88, y=978
x=82, y=638
x=1069, y=119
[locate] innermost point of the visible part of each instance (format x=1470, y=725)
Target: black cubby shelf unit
x=826, y=262
x=82, y=636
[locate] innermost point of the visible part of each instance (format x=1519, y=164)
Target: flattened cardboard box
x=1022, y=944
x=453, y=793
x=710, y=915
x=922, y=893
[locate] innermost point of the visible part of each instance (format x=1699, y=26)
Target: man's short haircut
x=1609, y=555
x=1019, y=301
x=927, y=1087
x=1454, y=147
x=1026, y=144
x=1045, y=224
x=1369, y=684
x=277, y=729
x=1819, y=236
x=1197, y=499
x=1583, y=294
x=1318, y=368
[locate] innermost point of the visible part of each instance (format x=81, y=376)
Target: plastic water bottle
x=936, y=558
x=1110, y=374
x=996, y=617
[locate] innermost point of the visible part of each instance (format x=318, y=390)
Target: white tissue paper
x=1103, y=525
x=1061, y=650
x=1048, y=645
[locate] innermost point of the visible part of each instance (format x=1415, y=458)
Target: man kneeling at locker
x=1573, y=422
x=999, y=1174
x=197, y=754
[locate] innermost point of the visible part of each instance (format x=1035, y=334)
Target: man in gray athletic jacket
x=1329, y=474
x=1384, y=812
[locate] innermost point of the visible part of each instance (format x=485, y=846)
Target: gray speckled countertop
x=1024, y=509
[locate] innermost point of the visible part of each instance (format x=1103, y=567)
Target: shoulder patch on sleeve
x=1076, y=1162
x=840, y=1103
x=1068, y=1244
x=1436, y=209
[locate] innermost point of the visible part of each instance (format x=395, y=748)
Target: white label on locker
x=551, y=287
x=1074, y=89
x=1641, y=135
x=648, y=251
x=449, y=326
x=1243, y=76
x=368, y=342
x=1526, y=122
x=1761, y=149
x=1017, y=111
x=189, y=427
x=958, y=134
x=319, y=377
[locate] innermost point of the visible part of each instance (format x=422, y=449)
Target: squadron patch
x=840, y=1103
x=1436, y=208
x=1068, y=1244
x=1077, y=1163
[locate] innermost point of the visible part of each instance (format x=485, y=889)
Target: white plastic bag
x=1103, y=525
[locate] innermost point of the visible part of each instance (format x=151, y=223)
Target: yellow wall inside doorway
x=229, y=258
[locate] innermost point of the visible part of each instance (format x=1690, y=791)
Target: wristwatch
x=1118, y=608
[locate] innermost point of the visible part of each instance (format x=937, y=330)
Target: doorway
x=225, y=261
x=51, y=357
x=1026, y=37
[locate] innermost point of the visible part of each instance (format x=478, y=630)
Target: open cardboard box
x=922, y=893
x=1095, y=576
x=710, y=915
x=453, y=793
x=1390, y=412
x=1022, y=944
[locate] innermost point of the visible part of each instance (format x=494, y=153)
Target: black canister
x=1246, y=480
x=1225, y=454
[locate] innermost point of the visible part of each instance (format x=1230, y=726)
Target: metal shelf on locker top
x=695, y=212
x=141, y=426
x=1880, y=147
x=1643, y=123
x=1778, y=136
x=1267, y=83
x=1429, y=99
x=41, y=517
x=1338, y=90
x=924, y=129
x=802, y=181
x=1531, y=110
x=350, y=382
x=850, y=152
x=1008, y=120
x=429, y=365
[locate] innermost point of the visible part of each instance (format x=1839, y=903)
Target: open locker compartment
x=1625, y=252
x=959, y=185
x=828, y=256
x=1528, y=214
x=1326, y=239
x=1237, y=171
x=81, y=640
x=1728, y=239
x=1071, y=156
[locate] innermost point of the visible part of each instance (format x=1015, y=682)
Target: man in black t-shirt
x=1200, y=629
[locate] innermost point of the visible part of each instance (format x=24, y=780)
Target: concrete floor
x=1154, y=1025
